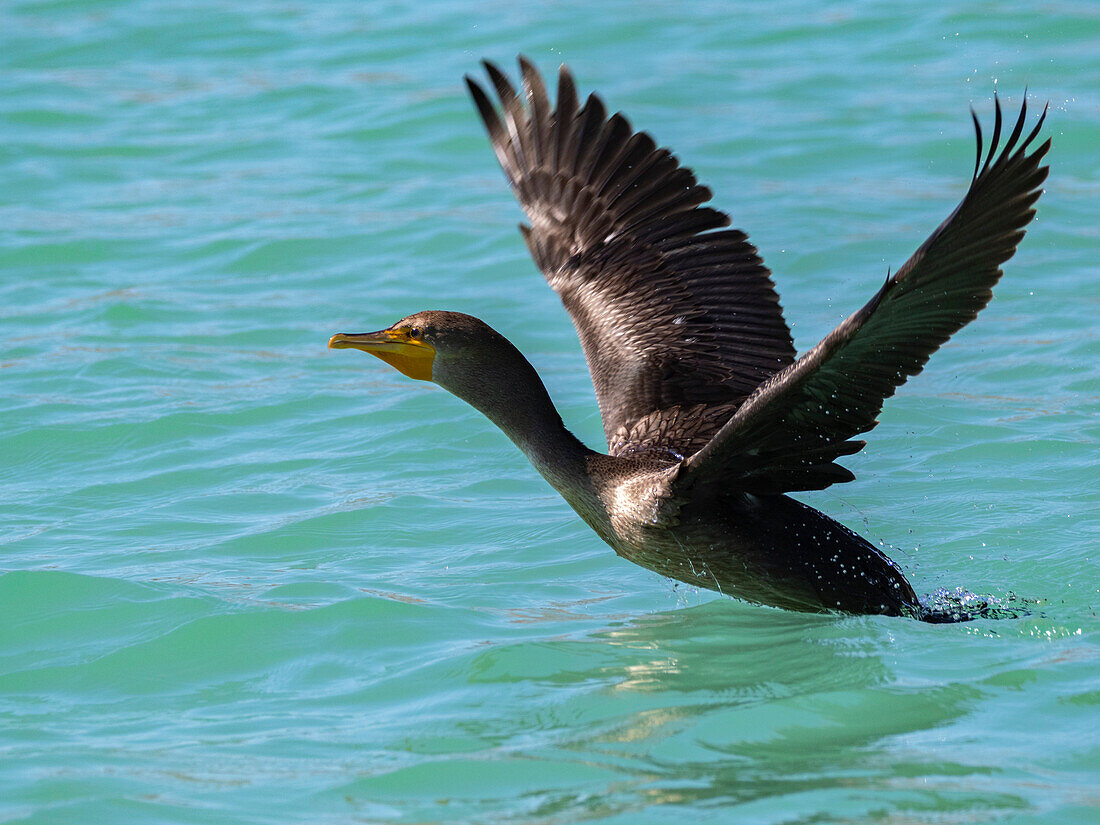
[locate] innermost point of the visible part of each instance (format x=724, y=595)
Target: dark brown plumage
x=668, y=316
x=709, y=417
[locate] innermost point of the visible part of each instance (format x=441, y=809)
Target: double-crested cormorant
x=709, y=416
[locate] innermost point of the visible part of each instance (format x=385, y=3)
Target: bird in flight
x=710, y=417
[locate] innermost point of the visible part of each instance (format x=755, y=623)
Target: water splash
x=943, y=606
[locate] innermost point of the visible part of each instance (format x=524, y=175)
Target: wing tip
x=1013, y=147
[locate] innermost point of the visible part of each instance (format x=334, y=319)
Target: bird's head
x=458, y=352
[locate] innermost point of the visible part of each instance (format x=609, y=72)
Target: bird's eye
x=414, y=332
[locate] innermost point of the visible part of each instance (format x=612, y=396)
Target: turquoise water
x=249, y=580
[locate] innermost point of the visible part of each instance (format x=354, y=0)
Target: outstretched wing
x=789, y=431
x=670, y=314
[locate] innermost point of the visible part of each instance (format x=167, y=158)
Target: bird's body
x=710, y=418
x=769, y=549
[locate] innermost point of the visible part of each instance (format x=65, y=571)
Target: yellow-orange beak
x=410, y=356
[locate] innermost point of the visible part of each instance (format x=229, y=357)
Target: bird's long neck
x=511, y=394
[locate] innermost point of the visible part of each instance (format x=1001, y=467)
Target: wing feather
x=672, y=314
x=790, y=430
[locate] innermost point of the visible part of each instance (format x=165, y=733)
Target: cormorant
x=709, y=416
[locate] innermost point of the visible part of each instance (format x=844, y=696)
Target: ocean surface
x=244, y=579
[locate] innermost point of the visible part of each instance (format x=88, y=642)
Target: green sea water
x=247, y=580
